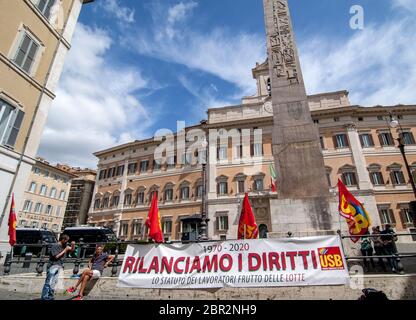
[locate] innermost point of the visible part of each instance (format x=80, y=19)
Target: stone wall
x=395, y=286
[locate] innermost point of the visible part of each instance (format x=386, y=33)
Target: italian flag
x=273, y=177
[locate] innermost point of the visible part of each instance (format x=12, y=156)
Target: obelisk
x=303, y=190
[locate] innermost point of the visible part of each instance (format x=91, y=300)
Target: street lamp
x=204, y=236
x=394, y=123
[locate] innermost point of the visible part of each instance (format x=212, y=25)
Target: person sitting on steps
x=96, y=265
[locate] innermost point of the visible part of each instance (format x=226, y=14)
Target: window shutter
x=401, y=177
x=347, y=142
x=380, y=138
x=354, y=178
x=334, y=139
x=15, y=127
x=391, y=215
x=372, y=177
x=362, y=140
x=371, y=140
x=30, y=56
x=393, y=178
x=226, y=223
x=23, y=49
x=217, y=222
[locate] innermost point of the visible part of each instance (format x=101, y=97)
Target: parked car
x=30, y=240
x=89, y=237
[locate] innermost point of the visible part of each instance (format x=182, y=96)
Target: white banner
x=243, y=263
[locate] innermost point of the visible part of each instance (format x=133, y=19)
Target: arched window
x=222, y=185
x=396, y=174
x=168, y=192
x=240, y=180
x=115, y=199
x=376, y=176
x=348, y=175
x=140, y=196
x=152, y=191
x=184, y=190
x=258, y=181
x=128, y=197
x=53, y=192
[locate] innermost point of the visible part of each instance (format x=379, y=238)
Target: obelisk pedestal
x=303, y=204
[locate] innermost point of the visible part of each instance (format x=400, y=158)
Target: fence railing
x=84, y=250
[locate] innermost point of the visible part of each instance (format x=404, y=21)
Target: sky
x=137, y=66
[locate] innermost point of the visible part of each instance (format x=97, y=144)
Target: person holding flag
x=247, y=227
x=273, y=177
x=153, y=221
x=353, y=211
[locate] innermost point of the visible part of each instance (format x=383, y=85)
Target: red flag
x=353, y=211
x=12, y=224
x=247, y=222
x=153, y=221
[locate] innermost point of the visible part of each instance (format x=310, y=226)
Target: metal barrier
x=28, y=259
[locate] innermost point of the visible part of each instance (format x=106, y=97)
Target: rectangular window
x=199, y=191
x=124, y=230
x=222, y=153
x=349, y=179
x=48, y=209
x=386, y=139
x=53, y=193
x=127, y=199
x=45, y=6
x=26, y=53
x=43, y=189
x=97, y=204
x=140, y=198
x=222, y=223
x=137, y=228
x=222, y=188
x=168, y=195
x=366, y=140
x=44, y=226
x=171, y=162
x=120, y=170
x=406, y=216
x=46, y=174
x=386, y=215
x=156, y=164
x=377, y=178
x=397, y=177
x=62, y=195
x=10, y=122
x=38, y=207
x=28, y=206
x=102, y=174
x=114, y=201
x=58, y=211
x=408, y=138
x=257, y=150
x=258, y=184
x=341, y=141
x=167, y=226
x=132, y=168
x=241, y=186
x=36, y=171
x=185, y=193
x=143, y=166
x=32, y=187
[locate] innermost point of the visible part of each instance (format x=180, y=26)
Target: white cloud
x=225, y=54
x=179, y=12
x=95, y=105
x=124, y=14
x=377, y=65
x=405, y=4
x=206, y=97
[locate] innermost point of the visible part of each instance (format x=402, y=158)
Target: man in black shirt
x=389, y=238
x=57, y=254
